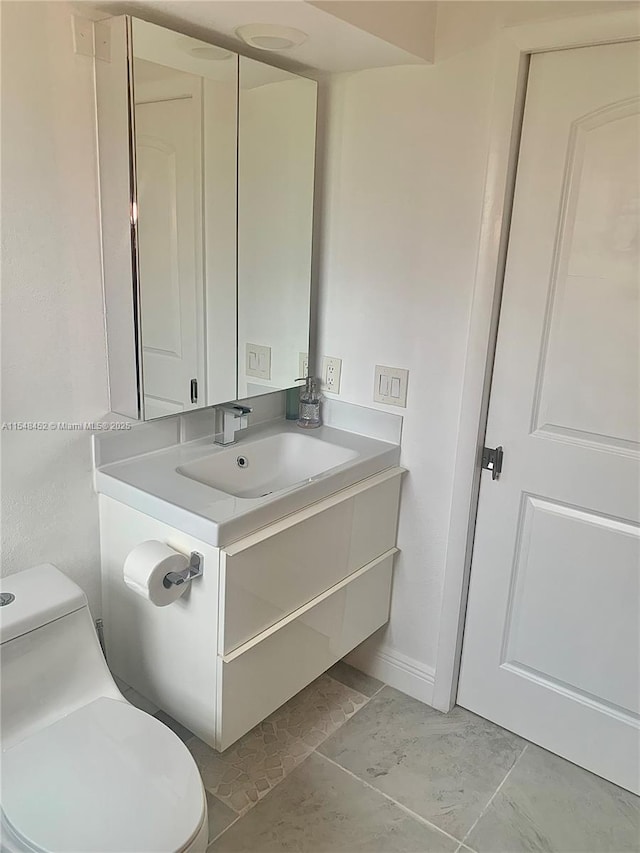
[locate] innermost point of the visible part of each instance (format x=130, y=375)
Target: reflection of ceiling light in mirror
x=210, y=52
x=270, y=36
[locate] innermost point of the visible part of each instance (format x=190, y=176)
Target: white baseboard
x=406, y=674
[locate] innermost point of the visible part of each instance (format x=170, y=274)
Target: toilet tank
x=50, y=657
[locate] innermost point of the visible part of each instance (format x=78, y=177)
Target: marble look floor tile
x=321, y=809
x=549, y=804
x=213, y=769
x=445, y=767
x=219, y=815
x=269, y=752
x=355, y=679
x=183, y=733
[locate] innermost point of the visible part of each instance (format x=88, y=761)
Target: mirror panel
x=276, y=167
x=185, y=120
x=206, y=167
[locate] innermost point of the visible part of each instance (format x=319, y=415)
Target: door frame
x=515, y=47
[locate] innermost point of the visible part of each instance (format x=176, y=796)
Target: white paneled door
x=552, y=634
x=169, y=175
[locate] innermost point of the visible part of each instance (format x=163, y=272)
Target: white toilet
x=83, y=771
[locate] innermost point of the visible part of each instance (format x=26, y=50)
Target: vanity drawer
x=264, y=673
x=268, y=575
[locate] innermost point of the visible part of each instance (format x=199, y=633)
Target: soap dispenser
x=309, y=409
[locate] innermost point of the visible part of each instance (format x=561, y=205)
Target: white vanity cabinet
x=271, y=612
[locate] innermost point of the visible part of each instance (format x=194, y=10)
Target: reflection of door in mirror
x=276, y=161
x=169, y=177
x=185, y=95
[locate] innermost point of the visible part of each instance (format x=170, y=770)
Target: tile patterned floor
x=249, y=769
x=350, y=765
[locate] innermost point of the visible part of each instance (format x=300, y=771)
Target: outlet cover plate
x=303, y=365
x=331, y=373
x=390, y=385
x=258, y=361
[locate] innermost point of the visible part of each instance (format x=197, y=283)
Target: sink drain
x=242, y=462
x=6, y=598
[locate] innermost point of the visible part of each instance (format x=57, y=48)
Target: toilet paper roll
x=145, y=568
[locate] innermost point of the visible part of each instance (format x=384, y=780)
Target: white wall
x=407, y=150
x=53, y=348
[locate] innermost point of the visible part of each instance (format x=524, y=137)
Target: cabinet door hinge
x=492, y=460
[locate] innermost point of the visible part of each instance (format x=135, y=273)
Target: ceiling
x=160, y=53
x=340, y=37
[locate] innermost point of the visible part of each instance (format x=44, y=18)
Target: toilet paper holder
x=193, y=570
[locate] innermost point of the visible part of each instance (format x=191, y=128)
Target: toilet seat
x=107, y=777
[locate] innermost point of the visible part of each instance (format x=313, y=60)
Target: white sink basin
x=254, y=469
x=199, y=488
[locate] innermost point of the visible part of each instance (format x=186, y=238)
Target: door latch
x=492, y=460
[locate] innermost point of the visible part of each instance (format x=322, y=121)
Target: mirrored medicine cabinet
x=207, y=164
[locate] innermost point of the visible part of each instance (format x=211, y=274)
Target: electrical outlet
x=303, y=365
x=258, y=361
x=331, y=372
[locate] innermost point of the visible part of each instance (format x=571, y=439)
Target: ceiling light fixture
x=201, y=50
x=210, y=52
x=270, y=36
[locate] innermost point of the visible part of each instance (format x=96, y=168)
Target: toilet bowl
x=83, y=771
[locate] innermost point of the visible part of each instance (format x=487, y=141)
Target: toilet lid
x=107, y=777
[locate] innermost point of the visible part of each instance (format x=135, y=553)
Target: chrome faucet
x=234, y=417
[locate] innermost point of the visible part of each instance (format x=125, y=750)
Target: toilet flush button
x=6, y=598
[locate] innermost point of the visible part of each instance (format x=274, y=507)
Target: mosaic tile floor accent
x=250, y=768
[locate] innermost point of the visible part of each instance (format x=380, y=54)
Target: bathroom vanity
x=293, y=579
x=207, y=170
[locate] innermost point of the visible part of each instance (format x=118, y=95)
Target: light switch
x=258, y=361
x=390, y=385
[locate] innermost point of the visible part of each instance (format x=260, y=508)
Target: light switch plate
x=82, y=36
x=258, y=361
x=390, y=385
x=331, y=373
